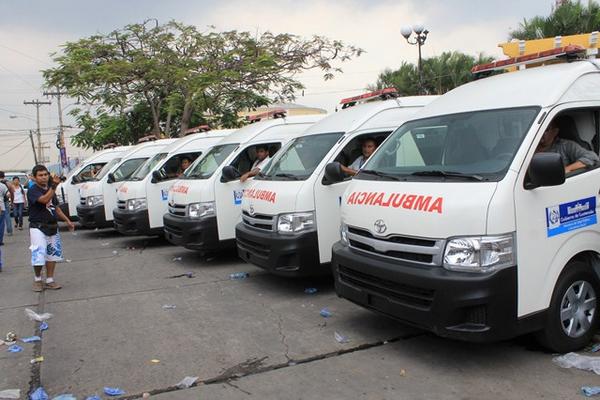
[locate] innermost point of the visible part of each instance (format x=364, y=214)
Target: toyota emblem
x=380, y=226
x=251, y=210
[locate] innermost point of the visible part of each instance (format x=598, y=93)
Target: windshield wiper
x=290, y=176
x=379, y=174
x=449, y=174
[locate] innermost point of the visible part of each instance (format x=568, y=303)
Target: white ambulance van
x=477, y=220
x=204, y=206
x=98, y=197
x=291, y=230
x=142, y=199
x=68, y=191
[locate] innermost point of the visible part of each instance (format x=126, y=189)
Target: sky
x=31, y=30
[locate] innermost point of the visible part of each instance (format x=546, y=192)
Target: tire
x=567, y=328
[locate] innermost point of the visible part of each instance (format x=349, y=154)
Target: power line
x=19, y=76
x=15, y=146
x=24, y=54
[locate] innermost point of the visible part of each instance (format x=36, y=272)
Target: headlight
x=296, y=222
x=344, y=234
x=136, y=204
x=92, y=201
x=198, y=210
x=480, y=254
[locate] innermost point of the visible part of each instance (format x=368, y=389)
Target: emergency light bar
x=277, y=113
x=146, y=139
x=384, y=94
x=569, y=52
x=109, y=146
x=197, y=129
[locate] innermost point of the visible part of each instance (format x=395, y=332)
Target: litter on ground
x=574, y=360
x=32, y=315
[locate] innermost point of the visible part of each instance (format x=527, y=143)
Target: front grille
x=410, y=249
x=251, y=246
x=82, y=201
x=177, y=209
x=260, y=221
x=121, y=204
x=409, y=295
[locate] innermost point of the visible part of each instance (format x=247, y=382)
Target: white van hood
x=132, y=190
x=277, y=197
x=435, y=210
x=187, y=191
x=90, y=189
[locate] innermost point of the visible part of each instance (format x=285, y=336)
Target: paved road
x=258, y=338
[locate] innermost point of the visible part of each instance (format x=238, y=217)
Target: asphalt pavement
x=122, y=319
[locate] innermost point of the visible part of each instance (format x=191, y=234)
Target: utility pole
x=61, y=129
x=37, y=105
x=35, y=159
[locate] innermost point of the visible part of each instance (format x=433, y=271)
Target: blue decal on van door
x=237, y=197
x=567, y=217
x=164, y=195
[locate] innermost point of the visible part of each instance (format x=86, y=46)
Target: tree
x=183, y=75
x=567, y=18
x=440, y=74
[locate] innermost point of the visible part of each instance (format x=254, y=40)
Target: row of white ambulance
x=455, y=224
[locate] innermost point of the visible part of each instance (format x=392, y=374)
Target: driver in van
x=368, y=147
x=184, y=164
x=574, y=156
x=262, y=158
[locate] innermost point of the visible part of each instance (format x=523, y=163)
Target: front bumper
x=92, y=217
x=134, y=223
x=286, y=255
x=194, y=234
x=465, y=306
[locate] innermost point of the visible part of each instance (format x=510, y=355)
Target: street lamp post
x=419, y=39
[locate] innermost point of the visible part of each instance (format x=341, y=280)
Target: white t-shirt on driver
x=260, y=164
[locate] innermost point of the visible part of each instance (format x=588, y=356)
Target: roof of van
x=249, y=132
x=351, y=119
x=176, y=144
x=540, y=86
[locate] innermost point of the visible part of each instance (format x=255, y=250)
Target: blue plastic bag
x=113, y=391
x=310, y=290
x=15, y=348
x=589, y=391
x=43, y=326
x=31, y=339
x=65, y=397
x=39, y=394
x=94, y=397
x=325, y=313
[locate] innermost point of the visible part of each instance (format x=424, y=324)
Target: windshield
x=301, y=157
x=146, y=167
x=104, y=171
x=127, y=168
x=207, y=165
x=478, y=145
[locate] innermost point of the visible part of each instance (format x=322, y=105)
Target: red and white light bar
x=566, y=51
x=197, y=129
x=392, y=92
x=277, y=113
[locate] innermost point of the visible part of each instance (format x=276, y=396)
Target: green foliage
x=440, y=74
x=185, y=76
x=569, y=18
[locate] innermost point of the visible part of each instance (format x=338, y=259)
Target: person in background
x=46, y=245
x=7, y=199
x=3, y=211
x=19, y=202
x=368, y=147
x=262, y=158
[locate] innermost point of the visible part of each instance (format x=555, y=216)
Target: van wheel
x=573, y=313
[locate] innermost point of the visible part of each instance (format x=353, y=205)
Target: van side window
x=353, y=150
x=572, y=134
x=243, y=162
x=89, y=172
x=177, y=164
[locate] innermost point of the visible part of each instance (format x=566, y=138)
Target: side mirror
x=230, y=173
x=110, y=178
x=76, y=179
x=156, y=177
x=545, y=169
x=333, y=174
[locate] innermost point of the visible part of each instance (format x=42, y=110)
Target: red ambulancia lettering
x=265, y=195
x=179, y=189
x=417, y=202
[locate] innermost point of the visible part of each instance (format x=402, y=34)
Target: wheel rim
x=577, y=309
